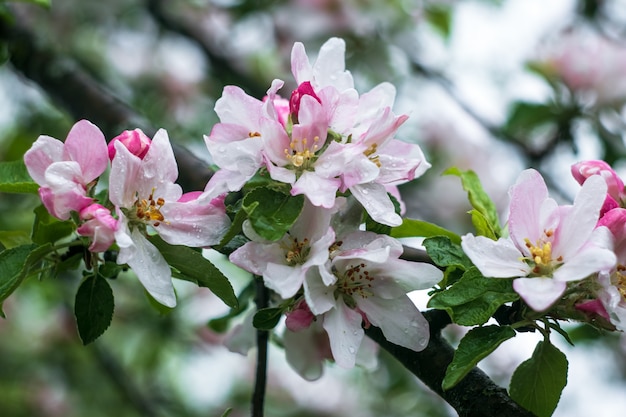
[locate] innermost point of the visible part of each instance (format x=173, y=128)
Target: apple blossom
x=366, y=282
x=283, y=264
x=236, y=142
x=549, y=245
x=66, y=171
x=144, y=194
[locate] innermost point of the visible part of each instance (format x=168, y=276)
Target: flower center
x=301, y=154
x=371, y=154
x=541, y=255
x=149, y=210
x=297, y=252
x=355, y=281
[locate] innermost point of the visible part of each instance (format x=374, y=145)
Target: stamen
x=298, y=252
x=371, y=151
x=300, y=154
x=149, y=210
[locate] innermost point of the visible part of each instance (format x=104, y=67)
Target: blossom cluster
x=563, y=254
x=142, y=195
x=324, y=139
x=326, y=144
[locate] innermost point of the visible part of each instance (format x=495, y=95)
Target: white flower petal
x=345, y=333
x=576, y=228
x=399, y=319
x=319, y=297
x=303, y=351
x=540, y=292
x=377, y=203
x=499, y=259
x=151, y=269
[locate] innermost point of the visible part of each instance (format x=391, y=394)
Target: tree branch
x=475, y=396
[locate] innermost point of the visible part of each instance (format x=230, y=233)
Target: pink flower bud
x=135, y=141
x=584, y=169
x=593, y=308
x=299, y=318
x=99, y=225
x=294, y=102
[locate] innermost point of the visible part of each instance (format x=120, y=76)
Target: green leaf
x=482, y=225
x=227, y=412
x=473, y=299
x=440, y=16
x=445, y=253
x=93, y=308
x=538, y=382
x=110, y=269
x=220, y=324
x=420, y=228
x=196, y=268
x=481, y=202
x=12, y=263
x=48, y=229
x=13, y=238
x=14, y=178
x=524, y=117
x=267, y=318
x=234, y=230
x=477, y=344
x=272, y=213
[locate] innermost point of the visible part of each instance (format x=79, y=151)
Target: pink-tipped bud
x=593, y=308
x=304, y=89
x=584, y=169
x=135, y=141
x=300, y=317
x=99, y=225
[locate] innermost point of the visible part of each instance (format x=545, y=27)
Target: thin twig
x=262, y=338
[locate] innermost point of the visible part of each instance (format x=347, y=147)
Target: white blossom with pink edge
x=307, y=349
x=235, y=143
x=145, y=195
x=65, y=171
x=283, y=264
x=369, y=284
x=549, y=245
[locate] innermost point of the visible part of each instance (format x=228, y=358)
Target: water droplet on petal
x=365, y=191
x=351, y=350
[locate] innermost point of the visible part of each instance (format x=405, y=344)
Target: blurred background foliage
x=557, y=98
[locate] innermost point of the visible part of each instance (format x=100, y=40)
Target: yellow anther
x=253, y=134
x=150, y=209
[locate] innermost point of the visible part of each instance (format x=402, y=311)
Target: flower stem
x=262, y=336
